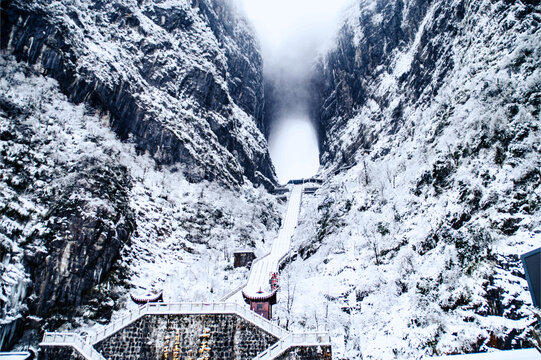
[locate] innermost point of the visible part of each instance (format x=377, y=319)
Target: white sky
x=289, y=27
x=291, y=34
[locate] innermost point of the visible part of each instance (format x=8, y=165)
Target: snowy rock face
x=64, y=201
x=183, y=78
x=84, y=216
x=392, y=56
x=85, y=219
x=430, y=114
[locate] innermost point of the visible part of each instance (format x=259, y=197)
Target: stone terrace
x=153, y=332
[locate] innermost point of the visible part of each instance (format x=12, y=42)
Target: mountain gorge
x=133, y=158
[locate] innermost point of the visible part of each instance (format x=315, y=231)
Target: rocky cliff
x=86, y=212
x=430, y=116
x=399, y=54
x=64, y=208
x=183, y=80
x=85, y=219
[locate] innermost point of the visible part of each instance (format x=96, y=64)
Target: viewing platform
x=311, y=185
x=147, y=333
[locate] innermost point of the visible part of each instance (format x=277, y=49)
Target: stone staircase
x=85, y=345
x=294, y=340
x=71, y=340
x=258, y=279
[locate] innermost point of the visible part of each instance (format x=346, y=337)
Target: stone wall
x=59, y=353
x=307, y=353
x=150, y=337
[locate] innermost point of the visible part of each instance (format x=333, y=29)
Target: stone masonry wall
x=307, y=353
x=149, y=338
x=59, y=353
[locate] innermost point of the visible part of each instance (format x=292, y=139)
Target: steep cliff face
x=83, y=215
x=383, y=38
x=430, y=112
x=64, y=209
x=399, y=54
x=84, y=219
x=184, y=80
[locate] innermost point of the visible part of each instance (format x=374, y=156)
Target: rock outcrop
x=83, y=240
x=183, y=81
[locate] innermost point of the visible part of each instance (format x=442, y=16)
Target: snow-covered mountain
x=85, y=219
x=430, y=115
x=132, y=159
x=180, y=84
x=182, y=78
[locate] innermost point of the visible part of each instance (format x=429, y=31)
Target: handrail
x=292, y=340
x=73, y=340
x=15, y=355
x=188, y=308
x=284, y=257
x=252, y=269
x=231, y=293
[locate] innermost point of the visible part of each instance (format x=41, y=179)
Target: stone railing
x=232, y=293
x=293, y=340
x=188, y=308
x=15, y=355
x=74, y=340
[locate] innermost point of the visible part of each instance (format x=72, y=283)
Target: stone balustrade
x=75, y=341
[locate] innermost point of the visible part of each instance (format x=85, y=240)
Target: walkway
x=263, y=267
x=84, y=348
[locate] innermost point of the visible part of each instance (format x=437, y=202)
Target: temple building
x=261, y=303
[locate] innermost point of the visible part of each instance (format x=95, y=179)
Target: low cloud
x=291, y=34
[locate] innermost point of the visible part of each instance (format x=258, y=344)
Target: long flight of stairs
x=258, y=280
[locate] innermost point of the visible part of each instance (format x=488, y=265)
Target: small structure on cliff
x=280, y=191
x=142, y=299
x=243, y=258
x=531, y=262
x=305, y=181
